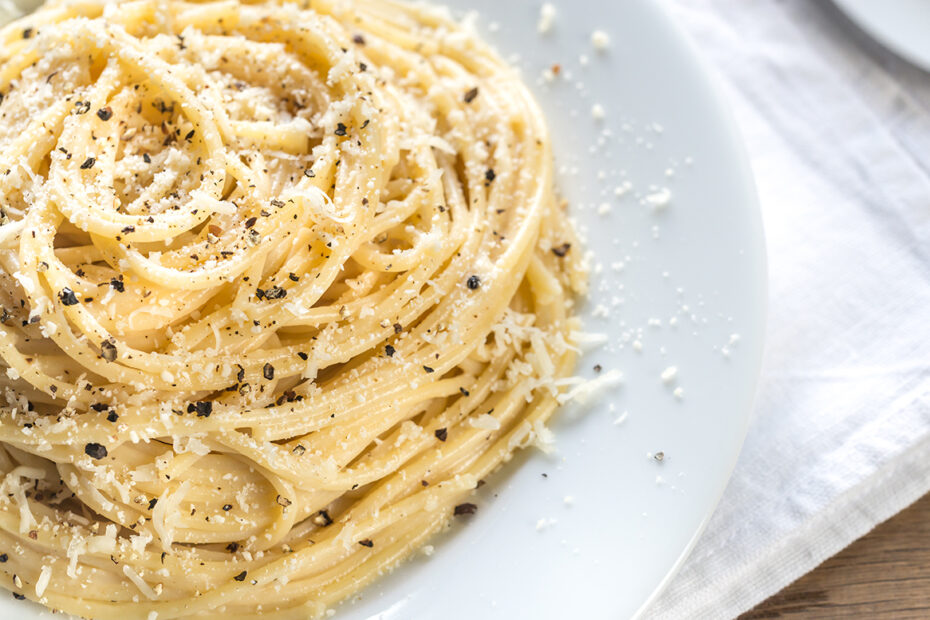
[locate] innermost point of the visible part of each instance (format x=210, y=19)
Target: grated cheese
x=45, y=576
x=134, y=577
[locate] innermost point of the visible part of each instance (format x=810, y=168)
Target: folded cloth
x=838, y=131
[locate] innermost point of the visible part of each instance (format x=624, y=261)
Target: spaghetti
x=281, y=284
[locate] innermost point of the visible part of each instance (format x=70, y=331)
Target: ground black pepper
x=465, y=509
x=275, y=292
x=67, y=297
x=95, y=451
x=108, y=350
x=203, y=408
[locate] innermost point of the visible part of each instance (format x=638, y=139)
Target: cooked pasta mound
x=282, y=283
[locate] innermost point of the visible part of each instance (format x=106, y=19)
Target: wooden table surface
x=883, y=576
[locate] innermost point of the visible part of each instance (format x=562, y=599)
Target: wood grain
x=884, y=575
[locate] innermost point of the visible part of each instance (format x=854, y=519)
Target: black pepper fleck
x=389, y=350
x=88, y=163
x=268, y=371
x=366, y=543
x=471, y=94
x=108, y=350
x=95, y=451
x=241, y=576
x=275, y=292
x=473, y=282
x=67, y=297
x=465, y=509
x=203, y=408
x=105, y=114
x=441, y=434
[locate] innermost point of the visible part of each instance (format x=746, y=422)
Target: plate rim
x=735, y=141
x=851, y=11
x=732, y=141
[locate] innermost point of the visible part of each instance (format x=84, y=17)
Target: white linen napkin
x=838, y=131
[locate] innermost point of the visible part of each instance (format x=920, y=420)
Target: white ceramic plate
x=903, y=26
x=687, y=282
